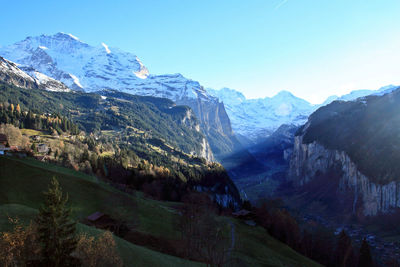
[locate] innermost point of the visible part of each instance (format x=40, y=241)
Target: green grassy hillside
x=22, y=181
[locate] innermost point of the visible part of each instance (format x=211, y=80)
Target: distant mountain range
x=61, y=61
x=255, y=119
x=258, y=118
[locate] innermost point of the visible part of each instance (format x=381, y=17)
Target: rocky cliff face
x=215, y=124
x=11, y=74
x=310, y=159
x=27, y=77
x=190, y=121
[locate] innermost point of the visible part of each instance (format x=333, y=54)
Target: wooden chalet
x=105, y=222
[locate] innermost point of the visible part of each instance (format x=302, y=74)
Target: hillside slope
x=158, y=219
x=159, y=133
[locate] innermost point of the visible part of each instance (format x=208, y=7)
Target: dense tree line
x=12, y=114
x=317, y=243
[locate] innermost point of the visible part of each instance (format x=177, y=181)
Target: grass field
x=23, y=180
x=30, y=132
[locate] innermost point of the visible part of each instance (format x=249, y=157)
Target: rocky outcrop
x=226, y=196
x=215, y=124
x=28, y=78
x=190, y=121
x=310, y=159
x=11, y=74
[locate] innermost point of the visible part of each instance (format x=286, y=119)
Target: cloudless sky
x=313, y=48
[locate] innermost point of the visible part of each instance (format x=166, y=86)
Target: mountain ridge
x=81, y=66
x=28, y=77
x=257, y=118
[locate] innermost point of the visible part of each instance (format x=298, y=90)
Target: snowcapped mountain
x=254, y=118
x=360, y=93
x=93, y=68
x=27, y=77
x=81, y=66
x=63, y=57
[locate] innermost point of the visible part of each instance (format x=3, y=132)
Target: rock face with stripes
x=353, y=147
x=372, y=198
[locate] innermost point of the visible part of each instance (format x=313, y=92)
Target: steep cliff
x=309, y=159
x=215, y=124
x=358, y=142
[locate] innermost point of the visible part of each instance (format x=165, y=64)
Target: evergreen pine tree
x=64, y=125
x=55, y=228
x=365, y=258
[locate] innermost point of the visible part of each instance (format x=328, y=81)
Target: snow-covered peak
x=284, y=94
x=64, y=57
x=10, y=68
x=353, y=95
x=70, y=35
x=228, y=96
x=27, y=77
x=386, y=89
x=108, y=51
x=261, y=116
x=81, y=66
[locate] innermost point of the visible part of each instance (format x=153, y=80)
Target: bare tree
x=98, y=252
x=204, y=237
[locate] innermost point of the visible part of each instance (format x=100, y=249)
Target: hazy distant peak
x=284, y=93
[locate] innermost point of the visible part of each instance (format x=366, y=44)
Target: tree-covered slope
x=131, y=140
x=158, y=116
x=367, y=129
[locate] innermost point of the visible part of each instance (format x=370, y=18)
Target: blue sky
x=313, y=48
